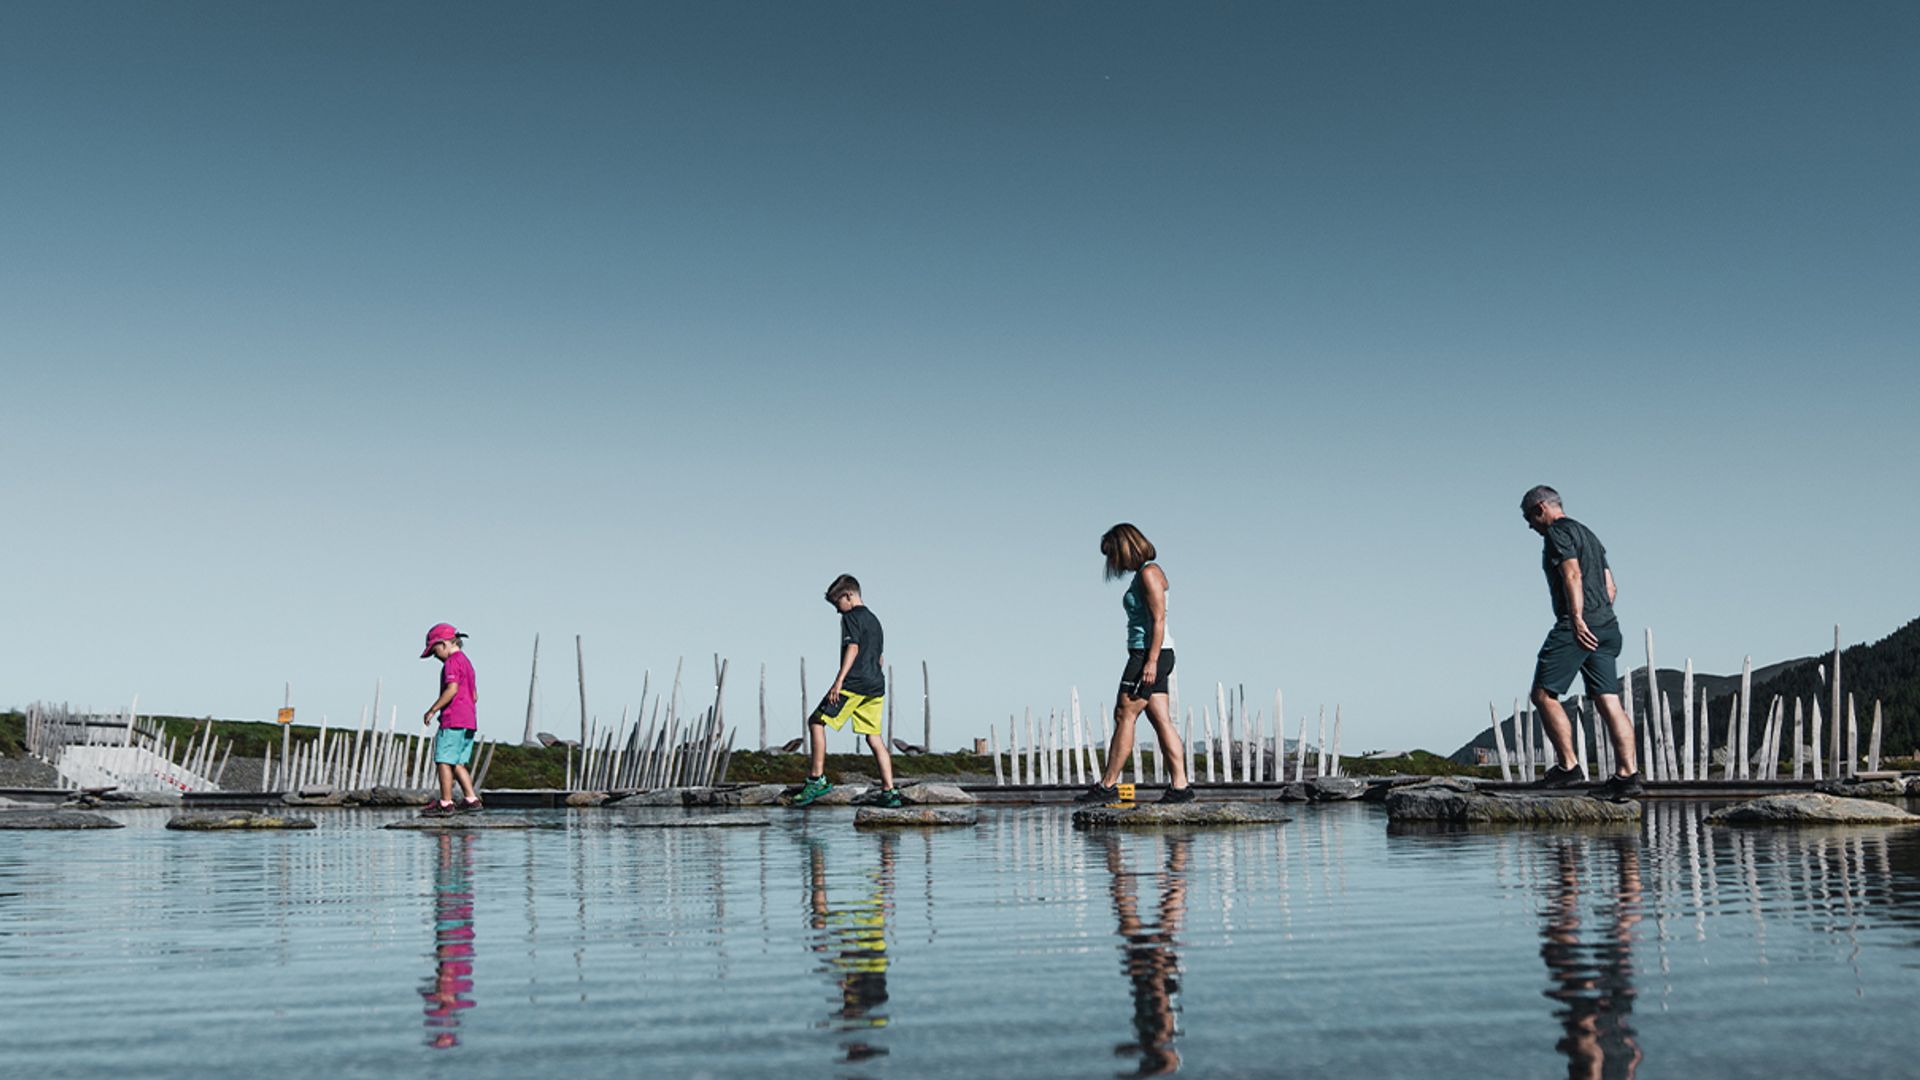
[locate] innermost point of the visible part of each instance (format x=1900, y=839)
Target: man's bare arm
x=1576, y=604
x=1613, y=591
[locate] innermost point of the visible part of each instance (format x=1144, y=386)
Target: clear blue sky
x=322, y=323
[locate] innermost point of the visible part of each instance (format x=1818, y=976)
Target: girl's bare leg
x=446, y=781
x=465, y=777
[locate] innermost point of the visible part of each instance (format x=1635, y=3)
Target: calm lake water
x=1329, y=945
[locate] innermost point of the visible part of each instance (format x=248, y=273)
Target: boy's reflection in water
x=1148, y=957
x=852, y=935
x=1593, y=980
x=445, y=993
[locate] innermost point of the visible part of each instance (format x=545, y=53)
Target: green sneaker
x=815, y=787
x=889, y=798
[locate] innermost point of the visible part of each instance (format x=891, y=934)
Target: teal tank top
x=1140, y=617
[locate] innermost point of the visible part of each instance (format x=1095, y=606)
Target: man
x=1585, y=638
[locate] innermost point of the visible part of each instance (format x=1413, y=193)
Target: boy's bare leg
x=1124, y=710
x=465, y=778
x=882, y=758
x=817, y=736
x=446, y=781
x=1169, y=739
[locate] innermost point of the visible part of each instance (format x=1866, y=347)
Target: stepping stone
x=468, y=823
x=1448, y=804
x=56, y=819
x=749, y=795
x=886, y=817
x=672, y=796
x=584, y=799
x=1811, y=809
x=704, y=821
x=1158, y=815
x=936, y=795
x=1862, y=789
x=382, y=795
x=235, y=821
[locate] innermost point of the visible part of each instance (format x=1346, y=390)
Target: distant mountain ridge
x=1887, y=670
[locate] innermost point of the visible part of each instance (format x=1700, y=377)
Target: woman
x=1143, y=685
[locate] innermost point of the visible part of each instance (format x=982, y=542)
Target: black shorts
x=1137, y=662
x=1561, y=657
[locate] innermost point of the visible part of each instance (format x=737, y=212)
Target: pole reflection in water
x=1148, y=954
x=446, y=992
x=852, y=935
x=1592, y=979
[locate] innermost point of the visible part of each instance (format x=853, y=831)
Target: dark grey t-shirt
x=862, y=627
x=1568, y=539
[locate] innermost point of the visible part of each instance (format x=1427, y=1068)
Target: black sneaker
x=438, y=809
x=1620, y=788
x=1098, y=794
x=1558, y=777
x=1177, y=795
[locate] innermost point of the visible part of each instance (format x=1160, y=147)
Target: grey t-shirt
x=1568, y=539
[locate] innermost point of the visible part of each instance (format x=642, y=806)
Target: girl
x=459, y=718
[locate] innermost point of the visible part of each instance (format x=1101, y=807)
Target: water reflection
x=1590, y=959
x=851, y=933
x=1148, y=953
x=445, y=993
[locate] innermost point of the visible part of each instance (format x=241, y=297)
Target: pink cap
x=440, y=632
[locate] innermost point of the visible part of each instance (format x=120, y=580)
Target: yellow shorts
x=865, y=712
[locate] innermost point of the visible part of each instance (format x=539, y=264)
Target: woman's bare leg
x=1170, y=745
x=1124, y=710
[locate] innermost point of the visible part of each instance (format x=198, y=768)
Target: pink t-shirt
x=459, y=712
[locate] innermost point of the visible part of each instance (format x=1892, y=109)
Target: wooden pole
x=1336, y=740
x=1499, y=744
x=1819, y=752
x=1645, y=764
x=926, y=708
x=1580, y=743
x=993, y=748
x=1733, y=733
x=1799, y=736
x=1746, y=707
x=1873, y=742
x=1836, y=703
x=1320, y=759
x=1853, y=740
x=763, y=705
x=1300, y=755
x=806, y=706
x=580, y=658
x=1686, y=718
x=1706, y=740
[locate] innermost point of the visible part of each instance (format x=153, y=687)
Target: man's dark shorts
x=1137, y=663
x=1561, y=656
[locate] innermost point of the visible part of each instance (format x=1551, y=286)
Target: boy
x=459, y=718
x=858, y=693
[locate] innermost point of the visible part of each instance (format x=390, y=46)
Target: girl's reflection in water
x=445, y=993
x=1148, y=955
x=852, y=935
x=1593, y=980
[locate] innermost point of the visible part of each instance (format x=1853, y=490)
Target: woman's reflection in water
x=1148, y=955
x=1593, y=980
x=445, y=993
x=852, y=935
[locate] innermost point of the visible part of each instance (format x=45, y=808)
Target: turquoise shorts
x=453, y=746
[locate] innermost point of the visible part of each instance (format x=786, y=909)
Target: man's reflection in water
x=445, y=993
x=852, y=935
x=1148, y=955
x=1593, y=979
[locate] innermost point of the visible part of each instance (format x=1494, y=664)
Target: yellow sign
x=1126, y=792
x=286, y=716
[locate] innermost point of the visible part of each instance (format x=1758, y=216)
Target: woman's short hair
x=1127, y=550
x=842, y=585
